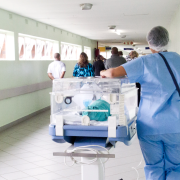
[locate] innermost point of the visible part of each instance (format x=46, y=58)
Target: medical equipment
x=69, y=125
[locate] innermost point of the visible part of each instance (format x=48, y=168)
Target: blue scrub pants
x=162, y=156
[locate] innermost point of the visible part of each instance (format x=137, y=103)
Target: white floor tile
x=34, y=158
x=75, y=177
x=56, y=167
x=28, y=178
x=45, y=162
x=6, y=170
x=34, y=148
x=142, y=178
x=14, y=150
x=26, y=166
x=123, y=161
x=133, y=174
x=1, y=178
x=68, y=172
x=42, y=152
x=9, y=140
x=119, y=169
x=4, y=146
x=36, y=171
x=2, y=165
x=61, y=179
x=13, y=176
x=2, y=153
x=16, y=162
x=25, y=155
x=48, y=176
x=8, y=157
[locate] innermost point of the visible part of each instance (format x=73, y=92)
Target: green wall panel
x=20, y=73
x=20, y=106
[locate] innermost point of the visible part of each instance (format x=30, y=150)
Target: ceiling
x=134, y=18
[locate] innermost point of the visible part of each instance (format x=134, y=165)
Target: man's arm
x=114, y=72
x=106, y=64
x=63, y=73
x=50, y=76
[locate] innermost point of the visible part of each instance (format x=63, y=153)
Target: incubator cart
x=70, y=119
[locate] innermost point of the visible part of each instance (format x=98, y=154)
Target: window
x=2, y=46
x=7, y=51
x=87, y=50
x=35, y=48
x=106, y=54
x=103, y=54
x=70, y=51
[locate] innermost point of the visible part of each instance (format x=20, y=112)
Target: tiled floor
x=26, y=154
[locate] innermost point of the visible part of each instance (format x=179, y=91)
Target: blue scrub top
x=159, y=110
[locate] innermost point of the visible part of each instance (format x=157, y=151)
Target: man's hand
x=102, y=74
x=50, y=76
x=113, y=72
x=63, y=73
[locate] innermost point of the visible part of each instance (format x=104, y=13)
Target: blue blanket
x=98, y=105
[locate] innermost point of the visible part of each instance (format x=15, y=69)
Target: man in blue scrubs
x=158, y=121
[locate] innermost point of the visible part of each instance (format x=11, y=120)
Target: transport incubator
x=92, y=114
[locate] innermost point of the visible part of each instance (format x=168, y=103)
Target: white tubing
x=135, y=168
x=86, y=148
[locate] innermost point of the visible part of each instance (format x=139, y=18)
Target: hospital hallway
x=26, y=153
x=89, y=89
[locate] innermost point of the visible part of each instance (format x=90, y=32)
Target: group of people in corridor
x=83, y=68
x=158, y=120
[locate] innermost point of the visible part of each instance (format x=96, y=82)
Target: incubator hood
x=74, y=105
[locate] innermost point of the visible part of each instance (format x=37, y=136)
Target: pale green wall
x=174, y=31
x=20, y=73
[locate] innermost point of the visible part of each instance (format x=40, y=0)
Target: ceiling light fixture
x=118, y=32
x=113, y=27
x=123, y=36
x=86, y=6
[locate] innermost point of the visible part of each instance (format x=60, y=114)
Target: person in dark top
x=120, y=54
x=115, y=59
x=98, y=65
x=83, y=68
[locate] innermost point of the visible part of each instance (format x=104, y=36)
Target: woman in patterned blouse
x=83, y=68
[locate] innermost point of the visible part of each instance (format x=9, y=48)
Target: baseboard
x=23, y=119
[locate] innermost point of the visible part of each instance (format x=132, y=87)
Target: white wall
x=22, y=73
x=174, y=32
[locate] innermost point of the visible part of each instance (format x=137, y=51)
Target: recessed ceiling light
x=113, y=27
x=86, y=6
x=113, y=30
x=118, y=32
x=123, y=36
